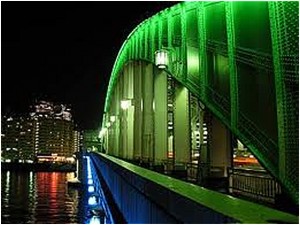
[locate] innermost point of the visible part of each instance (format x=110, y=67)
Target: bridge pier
x=220, y=156
x=160, y=116
x=182, y=134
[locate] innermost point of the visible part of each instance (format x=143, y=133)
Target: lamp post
x=126, y=103
x=162, y=58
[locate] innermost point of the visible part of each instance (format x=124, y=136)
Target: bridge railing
x=145, y=196
x=254, y=184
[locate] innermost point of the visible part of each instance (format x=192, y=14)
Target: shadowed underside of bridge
x=240, y=59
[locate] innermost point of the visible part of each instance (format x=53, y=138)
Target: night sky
x=64, y=52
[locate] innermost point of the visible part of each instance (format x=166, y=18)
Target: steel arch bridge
x=241, y=61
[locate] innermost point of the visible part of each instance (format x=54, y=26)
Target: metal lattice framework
x=241, y=60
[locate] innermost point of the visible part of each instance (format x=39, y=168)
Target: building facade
x=17, y=139
x=47, y=134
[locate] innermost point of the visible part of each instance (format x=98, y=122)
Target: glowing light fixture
x=95, y=220
x=125, y=104
x=112, y=119
x=162, y=58
x=102, y=132
x=92, y=200
x=91, y=189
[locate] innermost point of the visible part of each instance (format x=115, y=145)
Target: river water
x=39, y=197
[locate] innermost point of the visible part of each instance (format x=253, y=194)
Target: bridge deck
x=241, y=210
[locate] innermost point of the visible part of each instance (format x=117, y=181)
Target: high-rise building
x=47, y=134
x=17, y=139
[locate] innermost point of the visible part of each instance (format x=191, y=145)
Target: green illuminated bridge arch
x=241, y=60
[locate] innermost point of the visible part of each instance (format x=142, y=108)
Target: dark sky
x=64, y=51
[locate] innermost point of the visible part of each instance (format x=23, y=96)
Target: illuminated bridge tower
x=189, y=78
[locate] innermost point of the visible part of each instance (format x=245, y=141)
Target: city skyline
x=64, y=52
x=46, y=133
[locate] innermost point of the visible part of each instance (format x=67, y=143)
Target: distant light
x=125, y=104
x=70, y=159
x=95, y=220
x=91, y=189
x=90, y=181
x=92, y=200
x=102, y=132
x=89, y=175
x=112, y=119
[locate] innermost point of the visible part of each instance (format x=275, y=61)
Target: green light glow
x=250, y=41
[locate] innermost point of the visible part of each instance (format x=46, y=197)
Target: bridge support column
x=182, y=138
x=128, y=113
x=160, y=116
x=138, y=113
x=113, y=118
x=117, y=121
x=116, y=146
x=220, y=154
x=112, y=125
x=147, y=136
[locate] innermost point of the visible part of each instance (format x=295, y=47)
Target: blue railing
x=145, y=196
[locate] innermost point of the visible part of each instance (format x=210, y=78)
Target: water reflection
x=41, y=197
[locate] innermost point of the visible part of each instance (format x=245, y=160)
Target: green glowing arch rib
x=241, y=60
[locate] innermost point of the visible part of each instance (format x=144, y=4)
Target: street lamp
x=108, y=124
x=125, y=104
x=112, y=119
x=162, y=58
x=102, y=132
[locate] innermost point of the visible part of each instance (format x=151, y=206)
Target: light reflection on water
x=38, y=197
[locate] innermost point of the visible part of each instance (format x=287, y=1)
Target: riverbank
x=39, y=167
